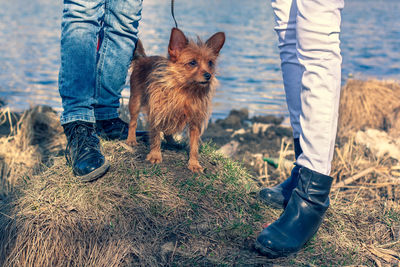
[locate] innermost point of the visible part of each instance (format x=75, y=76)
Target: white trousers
x=308, y=33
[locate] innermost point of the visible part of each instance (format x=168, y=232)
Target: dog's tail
x=139, y=51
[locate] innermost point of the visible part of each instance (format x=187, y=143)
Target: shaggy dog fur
x=174, y=92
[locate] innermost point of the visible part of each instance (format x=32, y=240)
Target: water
x=249, y=67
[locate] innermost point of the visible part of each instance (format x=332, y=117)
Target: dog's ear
x=216, y=42
x=177, y=42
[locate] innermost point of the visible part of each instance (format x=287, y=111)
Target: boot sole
x=96, y=174
x=271, y=254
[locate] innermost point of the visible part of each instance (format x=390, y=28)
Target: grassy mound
x=156, y=215
x=140, y=214
x=137, y=214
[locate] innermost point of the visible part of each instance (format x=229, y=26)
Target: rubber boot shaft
x=279, y=195
x=301, y=218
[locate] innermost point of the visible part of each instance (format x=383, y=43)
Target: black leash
x=172, y=12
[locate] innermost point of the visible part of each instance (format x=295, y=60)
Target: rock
x=234, y=120
x=229, y=149
x=251, y=136
x=260, y=127
x=379, y=142
x=279, y=131
x=239, y=132
x=243, y=113
x=268, y=119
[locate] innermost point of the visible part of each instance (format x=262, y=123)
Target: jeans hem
x=85, y=118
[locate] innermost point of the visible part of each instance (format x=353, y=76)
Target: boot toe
x=91, y=168
x=273, y=243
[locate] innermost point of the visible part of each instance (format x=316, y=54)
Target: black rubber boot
x=112, y=129
x=301, y=218
x=83, y=151
x=279, y=195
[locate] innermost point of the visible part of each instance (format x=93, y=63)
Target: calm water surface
x=249, y=68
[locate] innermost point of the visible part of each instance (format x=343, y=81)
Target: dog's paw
x=154, y=157
x=195, y=167
x=131, y=142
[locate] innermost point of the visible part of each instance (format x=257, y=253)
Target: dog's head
x=195, y=60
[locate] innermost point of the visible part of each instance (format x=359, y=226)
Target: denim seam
x=102, y=52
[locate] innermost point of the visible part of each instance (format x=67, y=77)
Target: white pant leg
x=318, y=27
x=285, y=17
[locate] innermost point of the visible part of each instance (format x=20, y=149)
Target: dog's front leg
x=194, y=165
x=155, y=148
x=134, y=109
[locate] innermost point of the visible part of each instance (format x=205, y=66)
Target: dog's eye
x=193, y=63
x=210, y=63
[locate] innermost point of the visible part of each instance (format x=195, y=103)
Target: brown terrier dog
x=174, y=92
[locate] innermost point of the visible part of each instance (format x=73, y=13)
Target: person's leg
x=318, y=27
x=285, y=16
x=79, y=30
x=121, y=21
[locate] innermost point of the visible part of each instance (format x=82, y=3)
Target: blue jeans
x=91, y=81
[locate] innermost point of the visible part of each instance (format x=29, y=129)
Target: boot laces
x=81, y=136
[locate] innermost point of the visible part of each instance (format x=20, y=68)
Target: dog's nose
x=207, y=76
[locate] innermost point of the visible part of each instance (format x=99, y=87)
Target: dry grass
x=163, y=215
x=365, y=214
x=137, y=214
x=369, y=104
x=145, y=215
x=36, y=136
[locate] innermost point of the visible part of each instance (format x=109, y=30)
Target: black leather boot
x=279, y=195
x=83, y=151
x=301, y=218
x=112, y=129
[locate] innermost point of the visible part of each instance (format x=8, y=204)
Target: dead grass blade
x=389, y=256
x=353, y=178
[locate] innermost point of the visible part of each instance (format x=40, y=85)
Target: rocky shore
x=252, y=140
